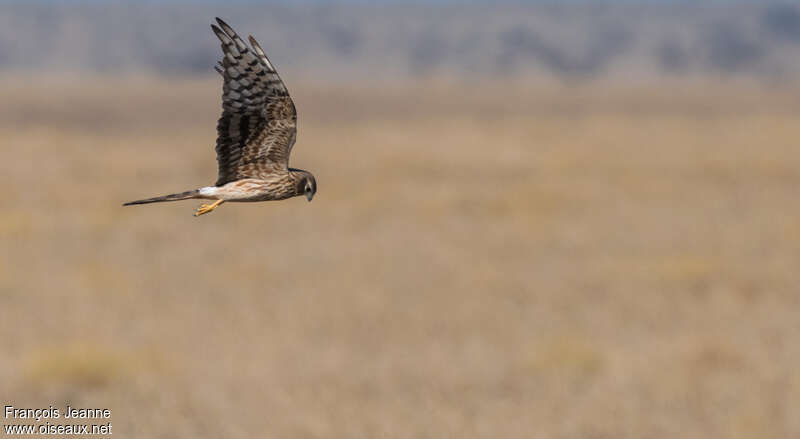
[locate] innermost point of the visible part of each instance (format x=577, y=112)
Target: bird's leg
x=205, y=208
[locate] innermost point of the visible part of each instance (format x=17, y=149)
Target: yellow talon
x=205, y=208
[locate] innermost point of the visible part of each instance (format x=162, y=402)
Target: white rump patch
x=208, y=191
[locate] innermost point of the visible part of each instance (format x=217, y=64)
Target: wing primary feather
x=221, y=35
x=257, y=48
x=234, y=36
x=223, y=25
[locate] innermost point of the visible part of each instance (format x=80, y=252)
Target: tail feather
x=171, y=197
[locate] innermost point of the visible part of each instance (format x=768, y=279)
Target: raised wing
x=258, y=126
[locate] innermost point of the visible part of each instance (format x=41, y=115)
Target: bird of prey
x=255, y=134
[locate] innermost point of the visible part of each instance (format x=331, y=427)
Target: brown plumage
x=255, y=133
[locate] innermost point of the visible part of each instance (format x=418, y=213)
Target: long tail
x=171, y=197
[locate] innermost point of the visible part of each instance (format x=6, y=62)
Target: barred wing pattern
x=258, y=126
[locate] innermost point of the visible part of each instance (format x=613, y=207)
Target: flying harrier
x=255, y=134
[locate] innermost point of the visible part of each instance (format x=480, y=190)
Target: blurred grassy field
x=480, y=261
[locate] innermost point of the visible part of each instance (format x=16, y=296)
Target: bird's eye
x=308, y=188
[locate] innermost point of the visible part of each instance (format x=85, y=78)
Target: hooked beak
x=309, y=196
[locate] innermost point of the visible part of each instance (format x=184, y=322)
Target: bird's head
x=306, y=185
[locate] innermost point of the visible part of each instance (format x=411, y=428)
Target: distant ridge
x=582, y=39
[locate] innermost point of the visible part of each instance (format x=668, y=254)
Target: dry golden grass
x=501, y=261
